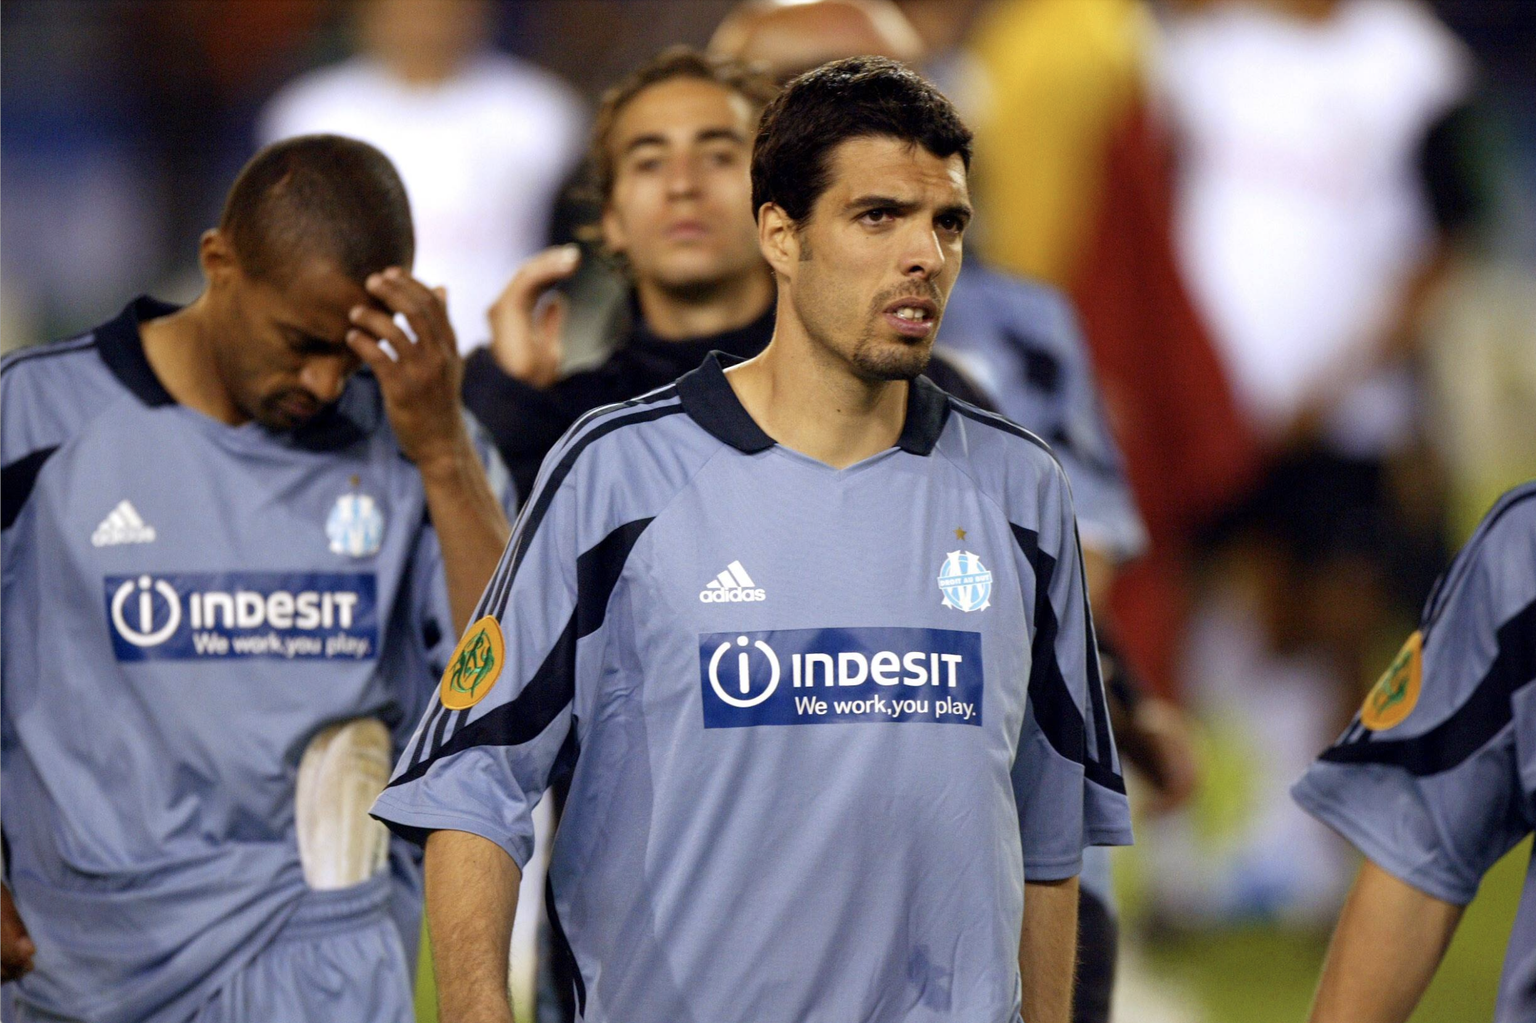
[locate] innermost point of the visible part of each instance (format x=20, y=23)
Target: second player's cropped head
x=859, y=182
x=305, y=224
x=670, y=151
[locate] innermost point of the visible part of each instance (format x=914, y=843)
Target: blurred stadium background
x=122, y=123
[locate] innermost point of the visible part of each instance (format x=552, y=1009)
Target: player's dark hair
x=859, y=97
x=673, y=62
x=319, y=195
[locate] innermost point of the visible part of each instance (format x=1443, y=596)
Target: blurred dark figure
x=483, y=139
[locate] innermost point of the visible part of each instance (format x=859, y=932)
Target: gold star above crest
x=959, y=534
x=354, y=481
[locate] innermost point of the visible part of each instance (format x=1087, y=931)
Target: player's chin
x=285, y=415
x=896, y=359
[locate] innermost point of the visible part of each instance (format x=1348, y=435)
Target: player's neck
x=178, y=350
x=690, y=313
x=810, y=401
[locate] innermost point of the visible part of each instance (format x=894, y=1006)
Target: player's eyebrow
x=719, y=134
x=866, y=203
x=308, y=338
x=962, y=210
x=901, y=207
x=703, y=135
x=639, y=141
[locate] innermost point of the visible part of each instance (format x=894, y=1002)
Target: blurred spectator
x=1071, y=173
x=1306, y=200
x=1317, y=189
x=482, y=139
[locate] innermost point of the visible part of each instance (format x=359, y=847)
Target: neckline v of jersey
x=708, y=399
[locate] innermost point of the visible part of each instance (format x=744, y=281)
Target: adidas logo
x=122, y=526
x=733, y=586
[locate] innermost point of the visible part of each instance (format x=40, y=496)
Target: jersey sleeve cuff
x=1345, y=820
x=1111, y=834
x=1057, y=868
x=415, y=824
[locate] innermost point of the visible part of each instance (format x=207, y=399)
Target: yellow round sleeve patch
x=1395, y=694
x=474, y=667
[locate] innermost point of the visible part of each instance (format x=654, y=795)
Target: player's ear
x=216, y=256
x=778, y=238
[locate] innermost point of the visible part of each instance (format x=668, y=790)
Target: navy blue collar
x=121, y=347
x=709, y=400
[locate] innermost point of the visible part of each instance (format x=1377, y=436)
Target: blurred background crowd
x=1300, y=236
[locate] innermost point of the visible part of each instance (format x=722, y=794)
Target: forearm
x=471, y=526
x=1048, y=950
x=1388, y=944
x=471, y=900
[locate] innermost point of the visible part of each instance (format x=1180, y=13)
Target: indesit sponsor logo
x=196, y=615
x=828, y=676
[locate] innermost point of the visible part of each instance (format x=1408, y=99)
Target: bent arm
x=1388, y=943
x=1048, y=950
x=471, y=900
x=471, y=526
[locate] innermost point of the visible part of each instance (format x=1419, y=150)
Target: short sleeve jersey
x=1020, y=341
x=185, y=605
x=821, y=725
x=1435, y=779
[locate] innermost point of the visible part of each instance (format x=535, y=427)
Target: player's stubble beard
x=875, y=354
x=882, y=357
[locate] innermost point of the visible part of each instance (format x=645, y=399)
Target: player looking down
x=1435, y=781
x=232, y=564
x=863, y=793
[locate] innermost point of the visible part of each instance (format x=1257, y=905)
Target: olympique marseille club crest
x=355, y=526
x=965, y=582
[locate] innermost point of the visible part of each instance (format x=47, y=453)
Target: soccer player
x=669, y=156
x=1435, y=780
x=810, y=638
x=1018, y=340
x=232, y=565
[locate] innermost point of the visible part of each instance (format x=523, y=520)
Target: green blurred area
x=1267, y=974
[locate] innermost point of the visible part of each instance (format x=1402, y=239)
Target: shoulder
x=321, y=86
x=47, y=392
x=624, y=460
x=529, y=83
x=1494, y=576
x=1008, y=463
x=40, y=362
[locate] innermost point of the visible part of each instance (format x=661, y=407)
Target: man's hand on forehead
x=421, y=382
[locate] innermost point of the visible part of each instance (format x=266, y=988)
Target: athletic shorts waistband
x=341, y=909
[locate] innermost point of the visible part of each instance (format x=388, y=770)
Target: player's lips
x=686, y=231
x=298, y=409
x=912, y=317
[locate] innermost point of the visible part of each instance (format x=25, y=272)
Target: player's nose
x=325, y=378
x=682, y=177
x=923, y=255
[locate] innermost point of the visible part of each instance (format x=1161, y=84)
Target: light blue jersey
x=1435, y=779
x=822, y=724
x=186, y=604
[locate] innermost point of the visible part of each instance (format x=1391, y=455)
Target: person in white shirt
x=483, y=141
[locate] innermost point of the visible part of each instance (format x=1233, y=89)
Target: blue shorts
x=339, y=959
